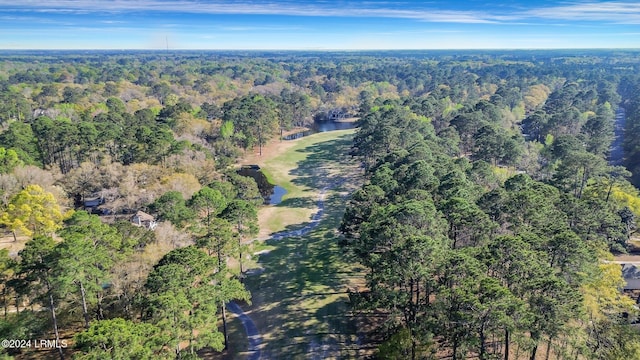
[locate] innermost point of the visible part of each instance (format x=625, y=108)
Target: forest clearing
x=300, y=293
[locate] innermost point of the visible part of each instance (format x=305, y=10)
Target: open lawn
x=302, y=167
x=300, y=299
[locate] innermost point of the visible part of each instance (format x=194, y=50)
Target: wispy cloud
x=608, y=11
x=363, y=9
x=33, y=20
x=604, y=11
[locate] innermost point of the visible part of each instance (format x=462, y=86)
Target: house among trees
x=338, y=114
x=143, y=219
x=631, y=275
x=93, y=201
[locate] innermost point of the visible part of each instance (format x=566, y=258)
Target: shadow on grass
x=318, y=169
x=322, y=169
x=299, y=202
x=303, y=292
x=238, y=343
x=300, y=300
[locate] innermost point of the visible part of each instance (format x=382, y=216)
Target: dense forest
x=490, y=210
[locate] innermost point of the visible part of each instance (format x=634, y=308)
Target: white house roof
x=143, y=216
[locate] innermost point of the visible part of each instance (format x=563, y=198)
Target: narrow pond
x=272, y=194
x=322, y=126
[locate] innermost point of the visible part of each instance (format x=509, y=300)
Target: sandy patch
x=6, y=242
x=271, y=150
x=627, y=259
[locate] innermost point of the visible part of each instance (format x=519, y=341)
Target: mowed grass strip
x=300, y=300
x=303, y=170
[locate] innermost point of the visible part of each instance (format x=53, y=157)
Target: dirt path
x=255, y=339
x=626, y=259
x=7, y=242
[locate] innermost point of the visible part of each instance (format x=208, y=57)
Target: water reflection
x=322, y=126
x=297, y=135
x=272, y=194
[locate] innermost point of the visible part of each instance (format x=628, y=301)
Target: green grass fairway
x=299, y=301
x=312, y=163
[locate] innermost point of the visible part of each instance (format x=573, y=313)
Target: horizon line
x=321, y=50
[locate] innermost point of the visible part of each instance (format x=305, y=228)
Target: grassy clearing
x=303, y=169
x=300, y=300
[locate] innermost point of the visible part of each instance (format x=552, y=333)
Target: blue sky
x=318, y=24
